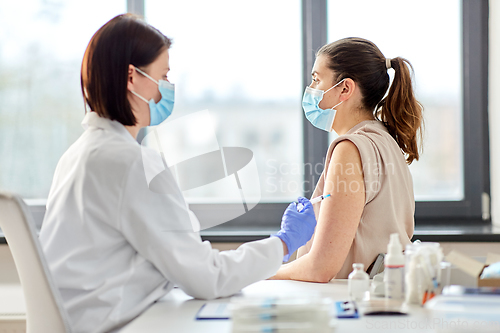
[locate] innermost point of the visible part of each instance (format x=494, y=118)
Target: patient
x=366, y=167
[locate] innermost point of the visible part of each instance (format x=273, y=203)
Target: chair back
x=44, y=308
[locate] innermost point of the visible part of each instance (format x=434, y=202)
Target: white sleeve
x=155, y=220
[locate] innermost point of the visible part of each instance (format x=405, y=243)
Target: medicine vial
x=358, y=283
x=394, y=269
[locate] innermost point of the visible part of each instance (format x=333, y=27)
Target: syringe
x=313, y=201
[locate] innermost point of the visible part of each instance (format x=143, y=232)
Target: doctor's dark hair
x=124, y=40
x=363, y=62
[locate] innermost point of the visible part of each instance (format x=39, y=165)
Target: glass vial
x=359, y=283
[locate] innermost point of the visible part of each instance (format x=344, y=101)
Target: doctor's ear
x=131, y=77
x=348, y=88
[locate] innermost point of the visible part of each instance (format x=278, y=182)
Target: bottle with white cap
x=394, y=269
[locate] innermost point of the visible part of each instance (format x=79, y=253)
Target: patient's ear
x=348, y=89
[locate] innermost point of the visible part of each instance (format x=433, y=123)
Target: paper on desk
x=472, y=303
x=213, y=311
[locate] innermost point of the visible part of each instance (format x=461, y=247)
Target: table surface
x=176, y=311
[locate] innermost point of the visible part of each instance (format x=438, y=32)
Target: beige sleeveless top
x=390, y=204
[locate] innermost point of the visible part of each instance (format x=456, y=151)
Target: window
x=41, y=49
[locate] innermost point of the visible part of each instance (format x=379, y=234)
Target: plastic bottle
x=394, y=269
x=358, y=282
x=413, y=281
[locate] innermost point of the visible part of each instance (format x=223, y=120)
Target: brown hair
x=363, y=62
x=122, y=41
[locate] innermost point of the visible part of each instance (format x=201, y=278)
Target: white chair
x=44, y=309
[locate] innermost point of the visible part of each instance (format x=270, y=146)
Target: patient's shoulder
x=345, y=147
x=345, y=160
x=346, y=151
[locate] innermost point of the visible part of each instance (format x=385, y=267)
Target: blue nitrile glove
x=297, y=228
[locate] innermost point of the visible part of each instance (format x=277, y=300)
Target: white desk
x=176, y=312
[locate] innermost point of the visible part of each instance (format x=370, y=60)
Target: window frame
x=474, y=208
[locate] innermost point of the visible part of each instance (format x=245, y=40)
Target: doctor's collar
x=92, y=119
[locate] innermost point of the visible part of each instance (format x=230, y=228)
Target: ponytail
x=401, y=113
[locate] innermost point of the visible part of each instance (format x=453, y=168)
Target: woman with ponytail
x=366, y=167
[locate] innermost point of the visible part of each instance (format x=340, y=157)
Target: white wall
x=494, y=108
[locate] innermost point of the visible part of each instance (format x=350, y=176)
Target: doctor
x=113, y=244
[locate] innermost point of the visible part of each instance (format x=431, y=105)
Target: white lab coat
x=114, y=246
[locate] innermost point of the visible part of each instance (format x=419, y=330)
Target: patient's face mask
x=161, y=110
x=322, y=119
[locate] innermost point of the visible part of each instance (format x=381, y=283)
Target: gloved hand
x=297, y=228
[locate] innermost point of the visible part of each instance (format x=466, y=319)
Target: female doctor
x=113, y=244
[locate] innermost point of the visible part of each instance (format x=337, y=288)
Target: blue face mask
x=322, y=119
x=159, y=111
